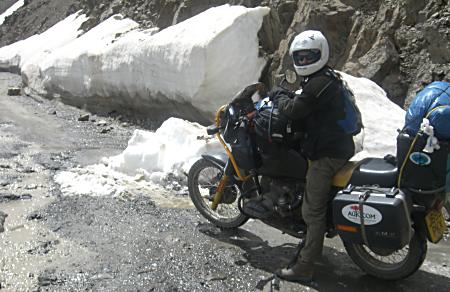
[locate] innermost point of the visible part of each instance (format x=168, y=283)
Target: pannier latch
x=349, y=189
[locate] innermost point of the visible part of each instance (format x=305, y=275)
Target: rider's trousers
x=314, y=208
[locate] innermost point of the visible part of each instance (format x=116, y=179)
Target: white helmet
x=310, y=52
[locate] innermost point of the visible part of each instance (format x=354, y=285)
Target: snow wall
x=186, y=70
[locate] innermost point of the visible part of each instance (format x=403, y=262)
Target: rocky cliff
x=401, y=45
x=5, y=4
x=2, y=221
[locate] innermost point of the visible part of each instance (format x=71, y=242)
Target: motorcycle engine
x=286, y=195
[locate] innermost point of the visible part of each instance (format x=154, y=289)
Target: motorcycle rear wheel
x=203, y=179
x=389, y=265
x=446, y=212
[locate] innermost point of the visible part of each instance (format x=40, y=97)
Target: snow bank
x=202, y=61
x=11, y=10
x=57, y=73
x=170, y=149
x=38, y=47
x=95, y=180
x=381, y=117
x=199, y=63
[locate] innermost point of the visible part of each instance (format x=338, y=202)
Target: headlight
x=231, y=111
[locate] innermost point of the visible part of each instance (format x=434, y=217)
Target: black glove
x=278, y=92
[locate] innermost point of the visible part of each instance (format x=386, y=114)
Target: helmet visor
x=306, y=57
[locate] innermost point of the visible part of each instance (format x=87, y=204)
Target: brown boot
x=300, y=272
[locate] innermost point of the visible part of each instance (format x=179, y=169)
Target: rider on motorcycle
x=320, y=106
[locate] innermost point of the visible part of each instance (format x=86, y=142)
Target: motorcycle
x=383, y=224
x=446, y=212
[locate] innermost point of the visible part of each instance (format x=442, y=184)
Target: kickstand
x=300, y=245
x=275, y=284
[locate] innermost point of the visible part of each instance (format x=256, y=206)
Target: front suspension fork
x=219, y=191
x=228, y=172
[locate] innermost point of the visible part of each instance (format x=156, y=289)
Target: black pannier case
x=428, y=176
x=386, y=215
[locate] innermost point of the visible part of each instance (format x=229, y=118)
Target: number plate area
x=436, y=225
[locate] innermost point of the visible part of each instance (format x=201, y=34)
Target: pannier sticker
x=420, y=158
x=371, y=215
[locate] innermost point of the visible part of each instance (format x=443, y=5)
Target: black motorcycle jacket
x=318, y=108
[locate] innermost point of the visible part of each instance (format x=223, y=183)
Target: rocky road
x=54, y=242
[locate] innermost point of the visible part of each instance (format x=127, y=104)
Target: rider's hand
x=251, y=115
x=278, y=92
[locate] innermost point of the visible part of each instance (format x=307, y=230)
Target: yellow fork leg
x=218, y=194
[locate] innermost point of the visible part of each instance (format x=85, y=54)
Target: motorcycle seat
x=342, y=177
x=375, y=171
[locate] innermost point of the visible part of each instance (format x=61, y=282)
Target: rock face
x=2, y=221
x=5, y=4
x=35, y=16
x=401, y=45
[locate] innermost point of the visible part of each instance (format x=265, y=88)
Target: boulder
x=14, y=91
x=2, y=220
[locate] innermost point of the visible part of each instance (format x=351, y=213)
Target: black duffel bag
x=273, y=126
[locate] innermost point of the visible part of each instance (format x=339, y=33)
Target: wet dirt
x=145, y=241
x=39, y=138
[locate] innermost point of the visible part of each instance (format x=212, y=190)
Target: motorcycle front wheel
x=446, y=212
x=203, y=179
x=387, y=264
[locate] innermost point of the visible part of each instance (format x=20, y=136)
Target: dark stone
x=14, y=91
x=104, y=131
x=26, y=169
x=47, y=280
x=4, y=183
x=84, y=118
x=44, y=247
x=8, y=197
x=2, y=221
x=35, y=216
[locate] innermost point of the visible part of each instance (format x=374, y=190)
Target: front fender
x=219, y=161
